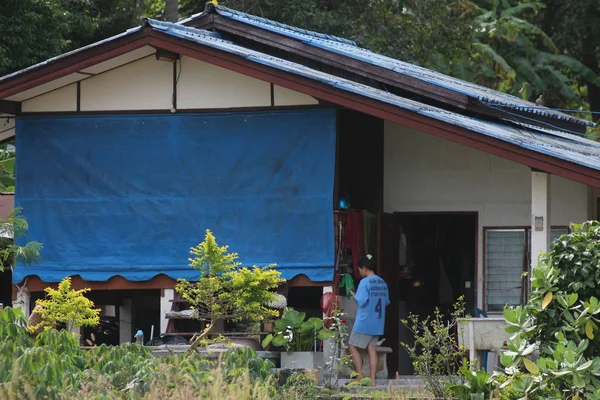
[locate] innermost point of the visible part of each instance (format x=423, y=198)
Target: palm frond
x=493, y=55
x=527, y=71
x=519, y=9
x=573, y=65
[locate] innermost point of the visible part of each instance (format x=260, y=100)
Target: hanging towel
x=347, y=283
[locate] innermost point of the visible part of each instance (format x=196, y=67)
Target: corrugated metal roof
x=558, y=144
x=350, y=49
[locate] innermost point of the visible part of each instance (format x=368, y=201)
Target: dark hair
x=367, y=261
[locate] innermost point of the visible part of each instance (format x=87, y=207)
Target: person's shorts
x=361, y=340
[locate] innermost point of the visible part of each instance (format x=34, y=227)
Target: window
x=507, y=256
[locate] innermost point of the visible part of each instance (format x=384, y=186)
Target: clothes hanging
x=354, y=238
x=370, y=232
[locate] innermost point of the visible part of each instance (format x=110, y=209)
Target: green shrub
x=435, y=353
x=560, y=321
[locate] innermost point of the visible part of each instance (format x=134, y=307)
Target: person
x=372, y=297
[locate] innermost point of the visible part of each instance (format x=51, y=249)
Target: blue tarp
x=129, y=195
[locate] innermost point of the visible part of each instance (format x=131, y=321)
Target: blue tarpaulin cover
x=129, y=195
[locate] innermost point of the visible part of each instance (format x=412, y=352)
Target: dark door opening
x=428, y=261
x=6, y=286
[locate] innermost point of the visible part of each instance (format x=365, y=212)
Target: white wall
x=146, y=84
x=426, y=173
x=203, y=85
x=63, y=99
x=287, y=97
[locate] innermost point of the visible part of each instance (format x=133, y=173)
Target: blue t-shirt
x=372, y=297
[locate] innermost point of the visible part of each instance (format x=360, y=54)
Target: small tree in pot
x=226, y=290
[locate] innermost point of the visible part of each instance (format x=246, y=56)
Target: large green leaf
x=279, y=341
x=317, y=323
x=493, y=55
x=524, y=67
x=520, y=8
x=294, y=318
x=573, y=65
x=267, y=340
x=8, y=165
x=324, y=334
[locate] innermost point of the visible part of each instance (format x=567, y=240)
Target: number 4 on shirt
x=378, y=309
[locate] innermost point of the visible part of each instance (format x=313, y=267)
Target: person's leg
x=357, y=360
x=373, y=362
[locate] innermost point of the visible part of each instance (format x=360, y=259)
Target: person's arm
x=362, y=295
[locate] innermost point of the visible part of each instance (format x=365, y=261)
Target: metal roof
x=555, y=143
x=350, y=49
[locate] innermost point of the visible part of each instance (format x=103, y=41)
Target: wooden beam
x=380, y=109
x=10, y=107
x=35, y=284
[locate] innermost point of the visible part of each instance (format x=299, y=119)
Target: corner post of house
x=126, y=321
x=22, y=298
x=166, y=302
x=540, y=214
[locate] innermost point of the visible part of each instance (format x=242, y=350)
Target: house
x=131, y=147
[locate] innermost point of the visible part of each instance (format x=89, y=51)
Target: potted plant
x=298, y=336
x=225, y=290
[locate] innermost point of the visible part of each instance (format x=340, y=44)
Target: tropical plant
x=225, y=290
x=11, y=227
x=67, y=306
x=294, y=332
x=513, y=55
x=561, y=320
x=435, y=352
x=477, y=385
x=240, y=360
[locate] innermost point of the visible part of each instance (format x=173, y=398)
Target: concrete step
x=403, y=382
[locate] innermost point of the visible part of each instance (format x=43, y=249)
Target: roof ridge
x=165, y=26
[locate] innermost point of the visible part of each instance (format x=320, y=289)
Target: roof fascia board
x=10, y=107
x=74, y=63
x=379, y=109
x=281, y=42
x=215, y=21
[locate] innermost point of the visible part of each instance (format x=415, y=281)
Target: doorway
x=433, y=258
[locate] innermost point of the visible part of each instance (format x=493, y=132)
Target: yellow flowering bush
x=63, y=305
